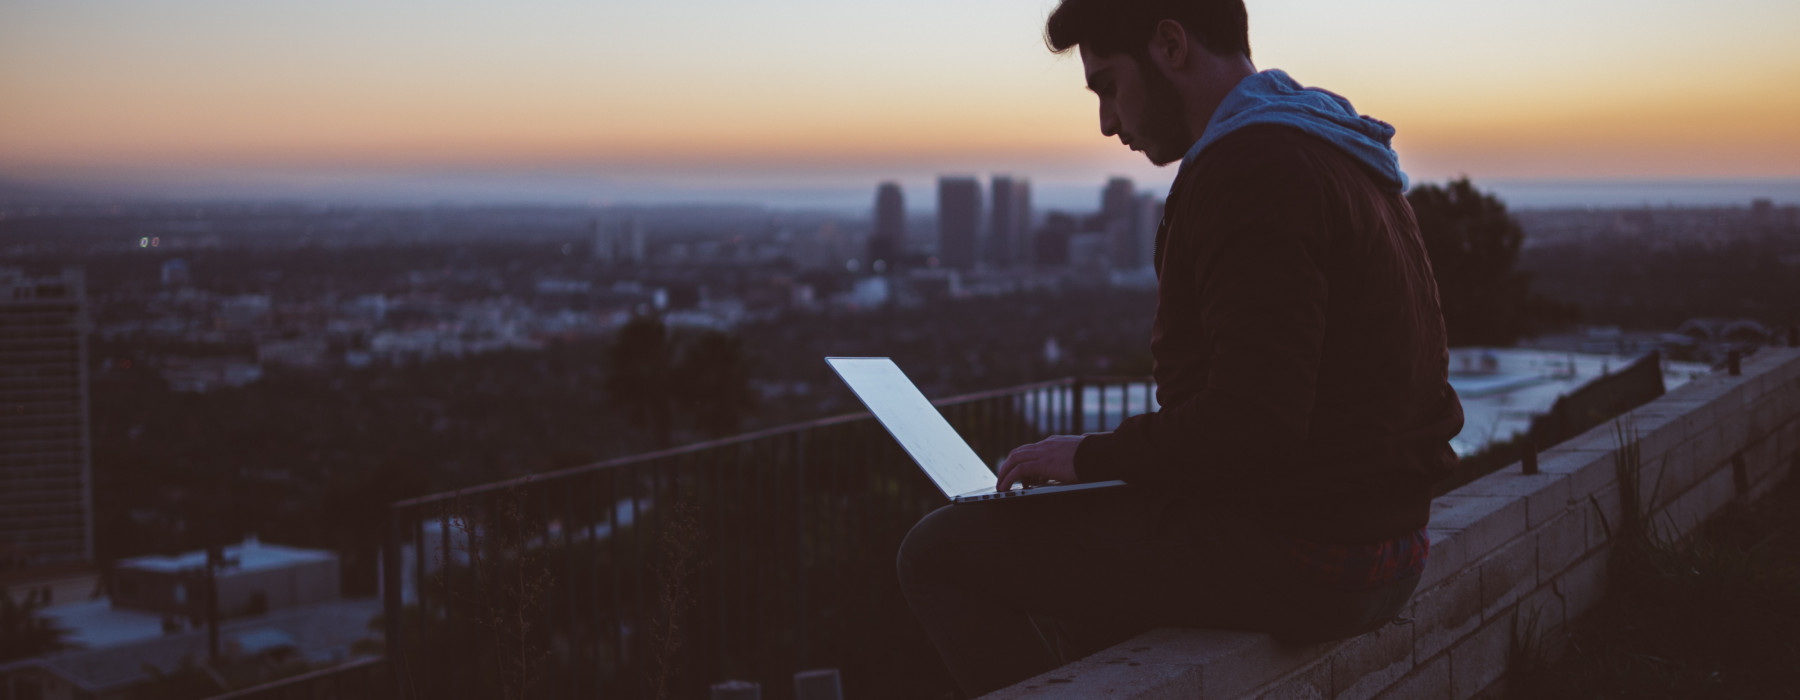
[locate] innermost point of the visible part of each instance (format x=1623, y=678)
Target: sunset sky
x=715, y=95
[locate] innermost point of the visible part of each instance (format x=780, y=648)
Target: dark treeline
x=1474, y=246
x=1634, y=284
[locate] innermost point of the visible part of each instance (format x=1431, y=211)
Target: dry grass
x=1714, y=615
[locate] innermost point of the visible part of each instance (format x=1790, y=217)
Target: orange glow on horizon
x=1665, y=90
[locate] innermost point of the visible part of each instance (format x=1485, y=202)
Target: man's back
x=1298, y=346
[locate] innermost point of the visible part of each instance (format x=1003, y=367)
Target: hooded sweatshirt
x=1298, y=346
x=1271, y=97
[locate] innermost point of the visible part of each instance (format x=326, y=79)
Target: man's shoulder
x=1262, y=142
x=1271, y=158
x=1261, y=155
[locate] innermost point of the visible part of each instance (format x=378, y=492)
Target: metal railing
x=751, y=557
x=362, y=679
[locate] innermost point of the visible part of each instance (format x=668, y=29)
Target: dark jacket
x=1299, y=348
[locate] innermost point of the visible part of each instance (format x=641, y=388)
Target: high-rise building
x=603, y=243
x=959, y=220
x=46, y=497
x=623, y=245
x=1146, y=218
x=1010, y=223
x=1762, y=214
x=1118, y=214
x=889, y=238
x=1050, y=246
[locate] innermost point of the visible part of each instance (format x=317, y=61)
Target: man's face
x=1138, y=105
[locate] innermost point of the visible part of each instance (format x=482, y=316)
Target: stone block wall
x=1506, y=549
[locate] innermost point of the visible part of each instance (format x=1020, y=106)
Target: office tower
x=1050, y=246
x=623, y=245
x=889, y=238
x=959, y=217
x=1146, y=218
x=1022, y=198
x=603, y=246
x=1118, y=216
x=46, y=498
x=1762, y=214
x=1011, y=220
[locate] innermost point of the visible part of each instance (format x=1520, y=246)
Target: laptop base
x=980, y=496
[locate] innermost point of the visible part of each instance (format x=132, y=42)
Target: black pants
x=1105, y=565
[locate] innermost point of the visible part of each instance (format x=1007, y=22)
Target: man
x=1300, y=362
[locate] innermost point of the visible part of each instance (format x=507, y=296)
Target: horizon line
x=540, y=190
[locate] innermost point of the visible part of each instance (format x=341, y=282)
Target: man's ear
x=1169, y=46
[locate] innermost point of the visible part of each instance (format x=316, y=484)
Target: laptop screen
x=915, y=423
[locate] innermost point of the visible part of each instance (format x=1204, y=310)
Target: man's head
x=1159, y=67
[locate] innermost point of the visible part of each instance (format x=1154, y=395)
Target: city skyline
x=473, y=101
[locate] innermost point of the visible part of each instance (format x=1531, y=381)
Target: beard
x=1165, y=131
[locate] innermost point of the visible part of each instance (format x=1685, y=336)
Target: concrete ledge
x=1505, y=549
x=1184, y=663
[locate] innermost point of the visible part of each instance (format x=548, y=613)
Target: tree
x=1474, y=244
x=714, y=382
x=640, y=376
x=24, y=633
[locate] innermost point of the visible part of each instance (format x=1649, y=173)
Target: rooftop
x=320, y=633
x=250, y=555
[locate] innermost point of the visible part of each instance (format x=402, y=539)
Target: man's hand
x=1053, y=459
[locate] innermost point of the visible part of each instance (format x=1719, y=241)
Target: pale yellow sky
x=824, y=89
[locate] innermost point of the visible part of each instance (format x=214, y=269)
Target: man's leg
x=974, y=573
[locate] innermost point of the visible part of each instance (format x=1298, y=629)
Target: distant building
x=619, y=245
x=202, y=374
x=603, y=245
x=1762, y=212
x=889, y=238
x=46, y=504
x=245, y=311
x=251, y=651
x=1010, y=222
x=1050, y=246
x=935, y=284
x=299, y=353
x=828, y=248
x=255, y=578
x=1118, y=216
x=1740, y=331
x=1146, y=218
x=1090, y=250
x=175, y=273
x=870, y=293
x=959, y=216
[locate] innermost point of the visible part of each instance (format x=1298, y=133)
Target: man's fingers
x=1019, y=466
x=1006, y=470
x=1016, y=471
x=1012, y=462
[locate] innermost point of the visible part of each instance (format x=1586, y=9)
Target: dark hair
x=1111, y=27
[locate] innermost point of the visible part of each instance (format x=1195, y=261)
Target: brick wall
x=1507, y=546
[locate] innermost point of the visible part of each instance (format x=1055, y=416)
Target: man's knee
x=928, y=545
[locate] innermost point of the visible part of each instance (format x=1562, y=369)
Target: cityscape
x=233, y=304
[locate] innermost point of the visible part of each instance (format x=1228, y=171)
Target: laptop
x=922, y=431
